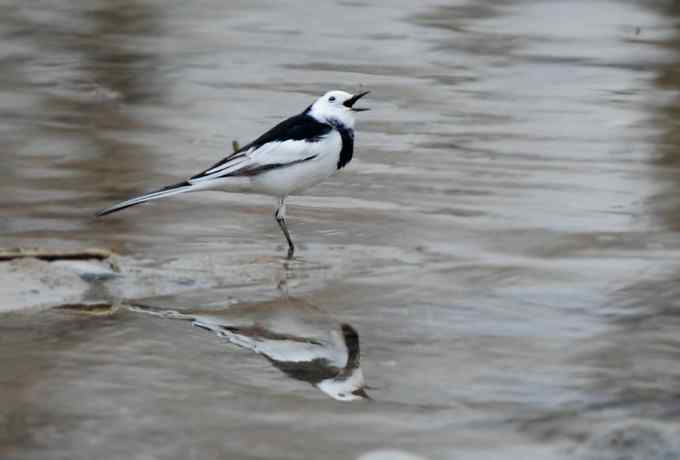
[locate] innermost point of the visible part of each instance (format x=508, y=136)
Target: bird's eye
x=331, y=99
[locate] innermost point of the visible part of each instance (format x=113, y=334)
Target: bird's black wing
x=301, y=127
x=296, y=128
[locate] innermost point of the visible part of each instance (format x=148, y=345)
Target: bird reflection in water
x=323, y=353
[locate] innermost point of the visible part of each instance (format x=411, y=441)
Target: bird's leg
x=280, y=216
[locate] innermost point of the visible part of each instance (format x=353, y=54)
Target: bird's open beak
x=350, y=102
x=362, y=394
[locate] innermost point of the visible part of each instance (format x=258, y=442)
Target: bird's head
x=337, y=105
x=349, y=387
x=349, y=384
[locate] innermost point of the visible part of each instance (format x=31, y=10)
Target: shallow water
x=504, y=242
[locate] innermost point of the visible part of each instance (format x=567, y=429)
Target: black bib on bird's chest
x=347, y=150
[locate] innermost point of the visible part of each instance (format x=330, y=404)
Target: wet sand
x=504, y=242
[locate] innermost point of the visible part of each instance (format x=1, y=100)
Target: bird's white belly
x=297, y=177
x=285, y=180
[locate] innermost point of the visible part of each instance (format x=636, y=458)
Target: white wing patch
x=278, y=349
x=267, y=156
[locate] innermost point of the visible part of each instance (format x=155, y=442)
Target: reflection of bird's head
x=351, y=339
x=349, y=384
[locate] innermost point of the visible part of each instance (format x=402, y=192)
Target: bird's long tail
x=170, y=190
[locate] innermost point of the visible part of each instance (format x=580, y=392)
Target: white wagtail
x=297, y=153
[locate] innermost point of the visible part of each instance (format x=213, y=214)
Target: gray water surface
x=505, y=241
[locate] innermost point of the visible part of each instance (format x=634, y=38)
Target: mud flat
x=38, y=279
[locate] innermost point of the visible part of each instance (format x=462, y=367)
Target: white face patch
x=330, y=107
x=343, y=389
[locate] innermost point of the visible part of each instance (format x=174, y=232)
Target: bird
x=294, y=155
